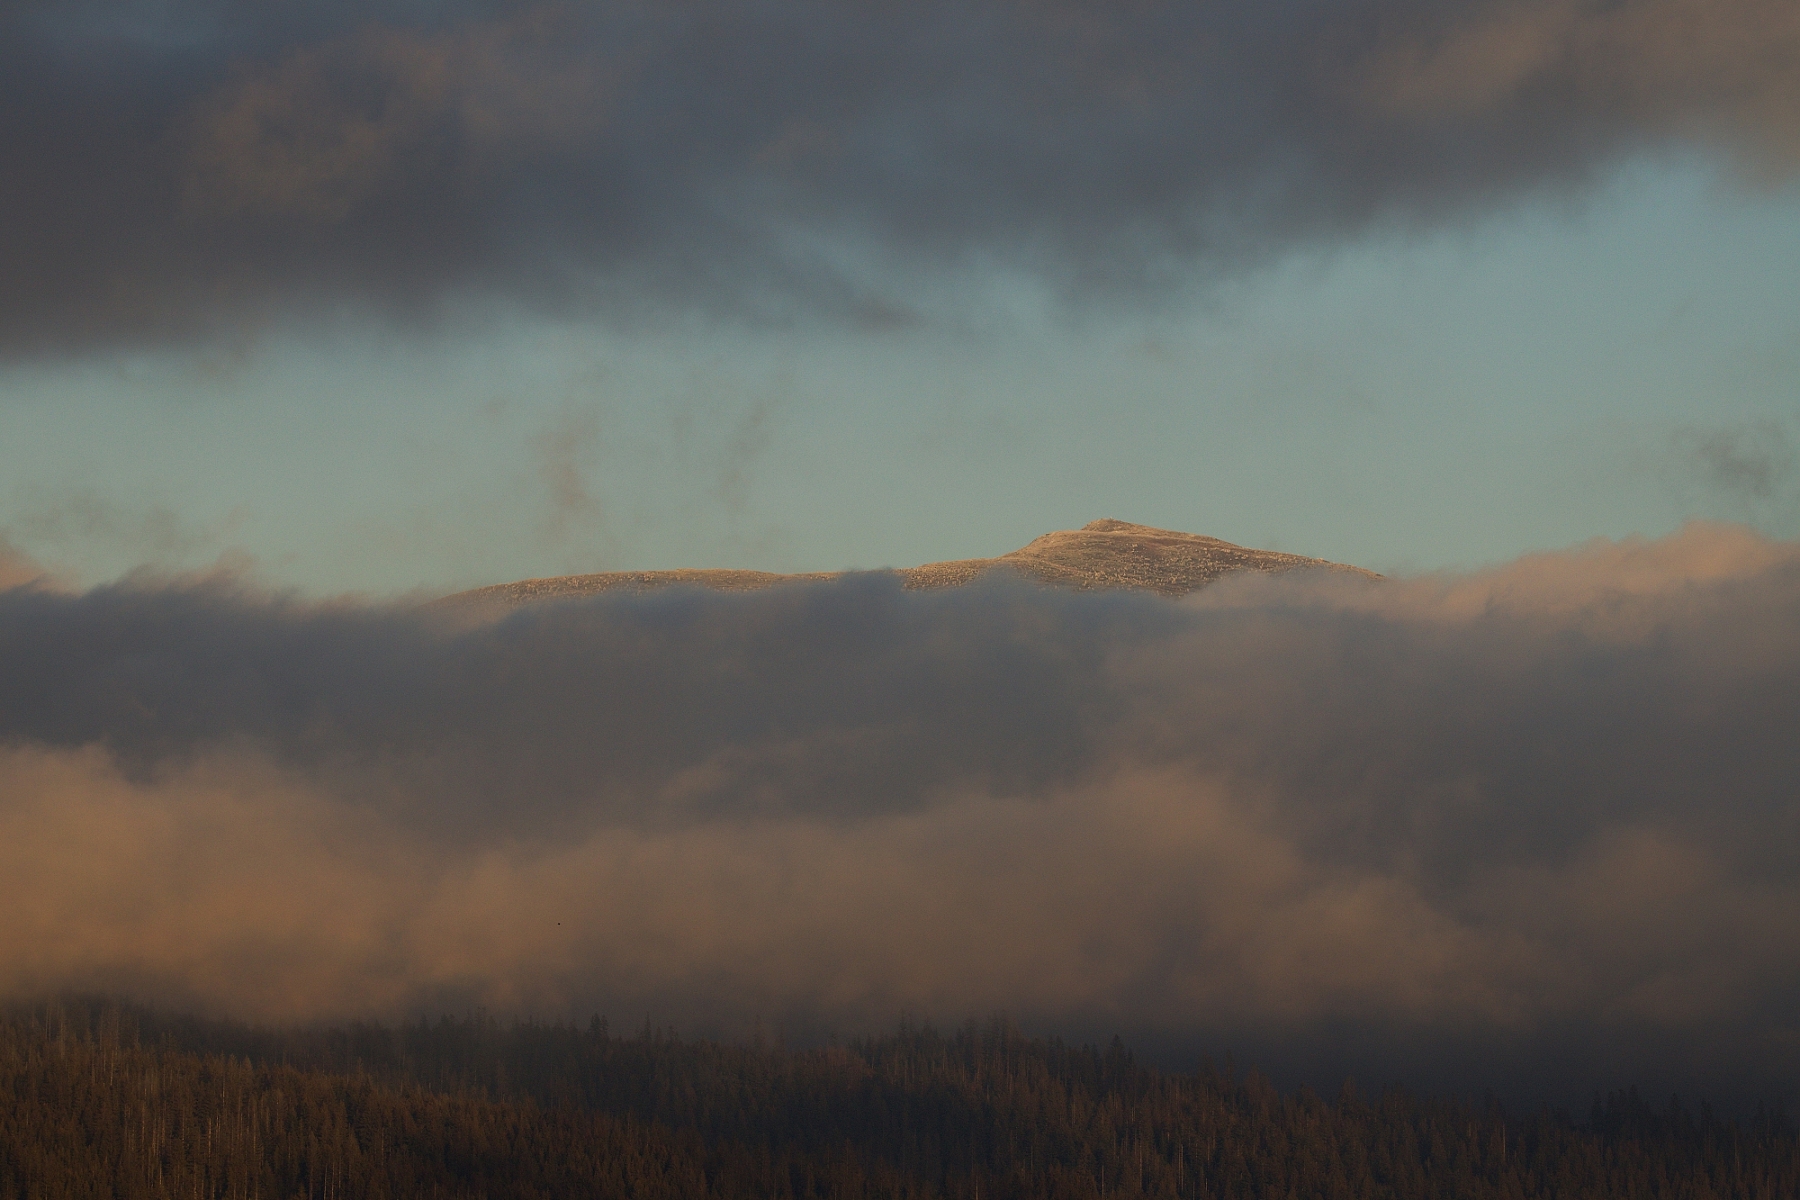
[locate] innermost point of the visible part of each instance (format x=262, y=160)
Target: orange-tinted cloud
x=16, y=567
x=1660, y=66
x=331, y=126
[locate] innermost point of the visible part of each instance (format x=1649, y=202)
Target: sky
x=312, y=312
x=415, y=297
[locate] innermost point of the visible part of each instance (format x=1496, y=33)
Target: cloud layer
x=1542, y=814
x=179, y=167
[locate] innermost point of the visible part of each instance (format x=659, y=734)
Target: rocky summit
x=1101, y=554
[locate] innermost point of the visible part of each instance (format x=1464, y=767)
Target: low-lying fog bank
x=1527, y=828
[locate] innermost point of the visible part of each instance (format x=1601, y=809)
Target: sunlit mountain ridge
x=1103, y=554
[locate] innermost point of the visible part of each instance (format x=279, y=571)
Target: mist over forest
x=1525, y=829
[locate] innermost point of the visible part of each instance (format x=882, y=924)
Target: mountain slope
x=1101, y=554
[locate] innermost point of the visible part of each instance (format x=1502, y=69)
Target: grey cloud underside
x=172, y=167
x=1544, y=814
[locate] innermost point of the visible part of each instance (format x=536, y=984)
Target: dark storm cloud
x=176, y=166
x=1540, y=818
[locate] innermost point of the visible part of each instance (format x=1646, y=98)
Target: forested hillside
x=104, y=1100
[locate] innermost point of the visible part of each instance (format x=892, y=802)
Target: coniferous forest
x=105, y=1100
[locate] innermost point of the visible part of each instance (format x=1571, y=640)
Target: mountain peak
x=1103, y=554
x=1109, y=525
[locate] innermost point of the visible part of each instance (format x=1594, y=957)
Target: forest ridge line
x=101, y=1099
